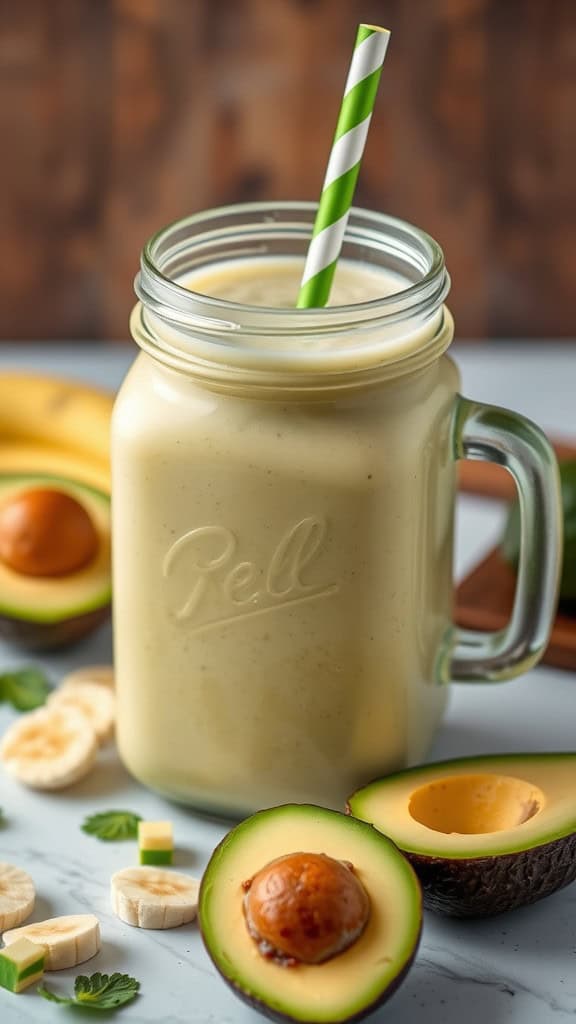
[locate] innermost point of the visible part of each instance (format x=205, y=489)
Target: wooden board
x=484, y=601
x=492, y=481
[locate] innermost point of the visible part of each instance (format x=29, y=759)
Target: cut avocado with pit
x=484, y=834
x=510, y=545
x=50, y=611
x=351, y=983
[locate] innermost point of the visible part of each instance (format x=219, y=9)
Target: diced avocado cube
x=156, y=856
x=156, y=842
x=21, y=964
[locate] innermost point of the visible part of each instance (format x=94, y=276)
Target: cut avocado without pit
x=41, y=613
x=352, y=983
x=484, y=834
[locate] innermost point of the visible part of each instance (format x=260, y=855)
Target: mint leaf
x=111, y=826
x=98, y=992
x=105, y=991
x=25, y=689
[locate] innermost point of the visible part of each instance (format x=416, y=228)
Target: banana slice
x=154, y=897
x=101, y=674
x=17, y=896
x=68, y=941
x=50, y=748
x=97, y=702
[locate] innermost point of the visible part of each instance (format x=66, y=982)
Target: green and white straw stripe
x=343, y=165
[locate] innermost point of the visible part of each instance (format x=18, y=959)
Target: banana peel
x=33, y=457
x=55, y=426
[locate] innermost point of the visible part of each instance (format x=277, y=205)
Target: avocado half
x=484, y=834
x=351, y=984
x=42, y=613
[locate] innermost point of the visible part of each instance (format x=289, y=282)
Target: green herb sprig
x=111, y=826
x=25, y=689
x=98, y=992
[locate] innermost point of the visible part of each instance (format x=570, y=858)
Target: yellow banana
x=52, y=425
x=31, y=457
x=55, y=411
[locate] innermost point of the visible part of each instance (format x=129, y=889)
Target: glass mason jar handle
x=498, y=435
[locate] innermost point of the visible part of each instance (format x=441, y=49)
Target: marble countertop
x=519, y=968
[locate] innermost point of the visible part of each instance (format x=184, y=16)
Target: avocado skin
x=486, y=886
x=49, y=636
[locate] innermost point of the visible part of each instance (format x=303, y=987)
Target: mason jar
x=283, y=502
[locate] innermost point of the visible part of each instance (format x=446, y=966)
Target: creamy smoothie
x=276, y=280
x=283, y=568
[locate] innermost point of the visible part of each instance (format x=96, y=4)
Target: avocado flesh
x=45, y=612
x=354, y=982
x=525, y=850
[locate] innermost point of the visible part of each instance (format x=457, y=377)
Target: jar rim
x=152, y=277
x=213, y=338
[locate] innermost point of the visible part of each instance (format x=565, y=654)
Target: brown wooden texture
x=484, y=601
x=117, y=116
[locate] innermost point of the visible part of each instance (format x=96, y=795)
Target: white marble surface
x=515, y=969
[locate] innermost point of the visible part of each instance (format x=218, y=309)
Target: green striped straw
x=343, y=165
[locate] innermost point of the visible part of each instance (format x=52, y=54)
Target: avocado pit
x=475, y=804
x=55, y=581
x=305, y=908
x=380, y=888
x=46, y=533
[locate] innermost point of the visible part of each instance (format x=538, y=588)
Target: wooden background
x=117, y=116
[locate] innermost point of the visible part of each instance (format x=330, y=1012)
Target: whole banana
x=52, y=425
